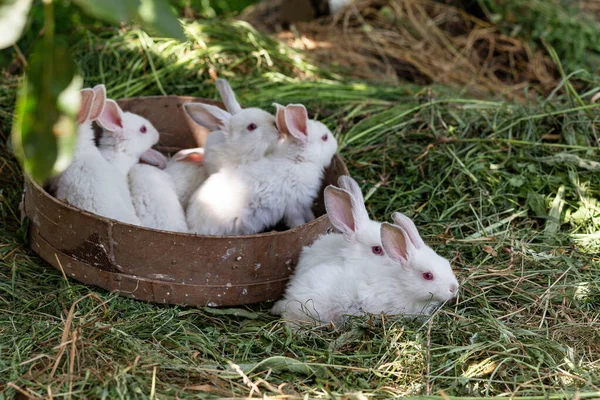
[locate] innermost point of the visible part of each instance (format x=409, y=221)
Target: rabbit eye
x=377, y=250
x=325, y=137
x=428, y=276
x=143, y=129
x=251, y=127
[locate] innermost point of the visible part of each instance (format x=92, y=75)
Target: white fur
x=325, y=288
x=124, y=148
x=155, y=200
x=248, y=198
x=92, y=183
x=229, y=144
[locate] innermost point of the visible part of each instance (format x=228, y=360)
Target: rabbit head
x=348, y=214
x=250, y=131
x=317, y=143
x=426, y=278
x=130, y=134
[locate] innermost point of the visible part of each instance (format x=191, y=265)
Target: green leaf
x=13, y=17
x=236, y=312
x=113, y=11
x=535, y=202
x=158, y=18
x=155, y=16
x=48, y=100
x=554, y=221
x=284, y=364
x=516, y=181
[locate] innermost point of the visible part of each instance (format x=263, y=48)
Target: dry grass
x=418, y=41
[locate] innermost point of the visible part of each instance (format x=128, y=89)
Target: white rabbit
x=410, y=278
x=306, y=158
x=190, y=167
x=155, y=199
x=126, y=139
x=91, y=182
x=234, y=140
x=248, y=198
x=88, y=112
x=186, y=169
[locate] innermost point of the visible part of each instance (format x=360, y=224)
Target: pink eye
x=251, y=127
x=377, y=250
x=143, y=129
x=428, y=276
x=325, y=137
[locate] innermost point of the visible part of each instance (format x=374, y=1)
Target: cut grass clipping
x=508, y=192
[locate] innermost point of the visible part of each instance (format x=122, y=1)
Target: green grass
x=480, y=178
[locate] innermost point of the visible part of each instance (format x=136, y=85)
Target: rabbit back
x=321, y=295
x=155, y=199
x=186, y=178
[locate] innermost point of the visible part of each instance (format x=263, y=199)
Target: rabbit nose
x=453, y=288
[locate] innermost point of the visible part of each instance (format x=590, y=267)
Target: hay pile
x=415, y=40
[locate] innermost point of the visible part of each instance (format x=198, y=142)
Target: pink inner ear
x=211, y=117
x=339, y=209
x=98, y=104
x=154, y=157
x=395, y=242
x=111, y=117
x=193, y=156
x=411, y=229
x=296, y=119
x=87, y=98
x=280, y=119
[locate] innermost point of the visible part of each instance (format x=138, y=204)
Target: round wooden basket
x=167, y=267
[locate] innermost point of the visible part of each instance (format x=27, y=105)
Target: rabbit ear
x=87, y=98
x=396, y=243
x=409, y=226
x=338, y=204
x=296, y=119
x=155, y=158
x=228, y=96
x=210, y=117
x=111, y=118
x=99, y=101
x=193, y=156
x=360, y=211
x=280, y=119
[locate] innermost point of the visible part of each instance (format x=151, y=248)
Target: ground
x=505, y=189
